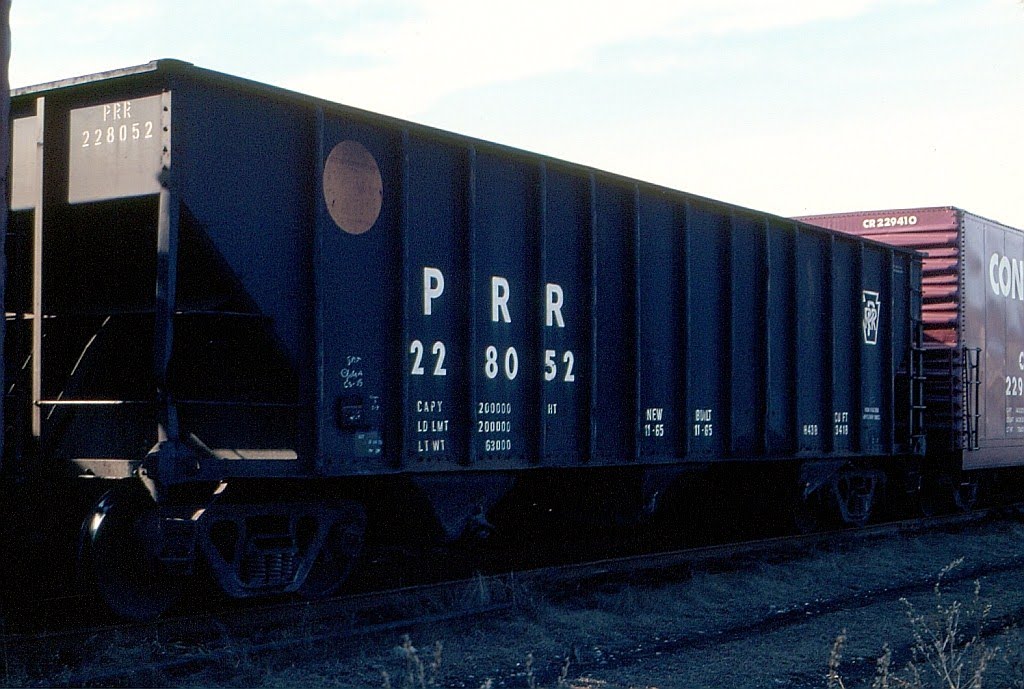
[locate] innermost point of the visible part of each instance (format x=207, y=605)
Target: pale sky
x=788, y=106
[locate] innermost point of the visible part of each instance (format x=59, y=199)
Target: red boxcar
x=973, y=312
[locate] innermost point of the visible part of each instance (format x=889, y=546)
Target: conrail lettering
x=1006, y=276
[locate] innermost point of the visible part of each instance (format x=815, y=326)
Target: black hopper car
x=245, y=328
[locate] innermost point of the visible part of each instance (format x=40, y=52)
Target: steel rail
x=212, y=636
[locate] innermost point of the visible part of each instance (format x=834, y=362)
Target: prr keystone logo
x=872, y=310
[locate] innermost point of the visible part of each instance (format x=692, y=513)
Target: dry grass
x=417, y=674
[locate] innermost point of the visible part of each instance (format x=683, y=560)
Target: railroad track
x=179, y=644
x=779, y=619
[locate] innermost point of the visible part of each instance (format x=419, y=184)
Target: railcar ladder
x=917, y=401
x=917, y=429
x=972, y=386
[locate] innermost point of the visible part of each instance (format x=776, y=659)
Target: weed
x=944, y=647
x=482, y=589
x=416, y=673
x=948, y=649
x=414, y=668
x=435, y=663
x=835, y=657
x=563, y=674
x=882, y=669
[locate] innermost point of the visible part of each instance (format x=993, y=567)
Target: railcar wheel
x=338, y=555
x=965, y=495
x=854, y=494
x=946, y=494
x=807, y=515
x=935, y=496
x=120, y=556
